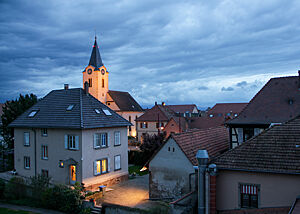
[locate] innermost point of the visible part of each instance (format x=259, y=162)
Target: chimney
x=163, y=103
x=155, y=103
x=86, y=87
x=66, y=86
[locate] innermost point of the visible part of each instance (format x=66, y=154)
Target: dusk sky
x=180, y=52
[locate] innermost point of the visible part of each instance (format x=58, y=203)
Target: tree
x=150, y=144
x=11, y=110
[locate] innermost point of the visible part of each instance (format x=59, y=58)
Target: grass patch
x=9, y=211
x=136, y=169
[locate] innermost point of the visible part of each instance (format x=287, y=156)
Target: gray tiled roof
x=52, y=112
x=124, y=101
x=95, y=59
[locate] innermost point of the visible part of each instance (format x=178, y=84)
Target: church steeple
x=95, y=59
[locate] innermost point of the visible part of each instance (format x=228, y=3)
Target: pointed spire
x=95, y=59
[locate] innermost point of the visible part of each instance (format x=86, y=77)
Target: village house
x=277, y=102
x=188, y=110
x=171, y=169
x=226, y=110
x=97, y=75
x=262, y=174
x=71, y=137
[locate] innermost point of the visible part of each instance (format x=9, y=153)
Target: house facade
x=171, y=169
x=97, y=76
x=263, y=174
x=71, y=137
x=276, y=103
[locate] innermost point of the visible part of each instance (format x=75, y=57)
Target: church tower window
x=90, y=82
x=102, y=83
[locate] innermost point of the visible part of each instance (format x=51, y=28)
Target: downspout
x=190, y=182
x=35, y=160
x=207, y=196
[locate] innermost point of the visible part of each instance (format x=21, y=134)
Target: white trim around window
x=117, y=164
x=117, y=138
x=26, y=139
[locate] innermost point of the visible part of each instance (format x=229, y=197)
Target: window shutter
x=95, y=167
x=108, y=164
x=95, y=141
x=108, y=139
x=66, y=141
x=77, y=142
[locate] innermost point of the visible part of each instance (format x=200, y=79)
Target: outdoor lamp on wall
x=61, y=164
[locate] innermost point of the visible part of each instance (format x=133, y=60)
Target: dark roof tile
x=125, y=101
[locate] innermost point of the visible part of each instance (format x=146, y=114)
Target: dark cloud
x=227, y=89
x=241, y=84
x=157, y=50
x=202, y=88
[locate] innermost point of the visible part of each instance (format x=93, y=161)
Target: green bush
x=2, y=187
x=16, y=188
x=62, y=198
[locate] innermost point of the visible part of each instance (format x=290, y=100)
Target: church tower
x=96, y=75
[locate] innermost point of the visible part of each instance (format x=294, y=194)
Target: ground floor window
x=117, y=162
x=249, y=195
x=101, y=166
x=45, y=173
x=27, y=162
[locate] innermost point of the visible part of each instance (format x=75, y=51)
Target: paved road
x=29, y=209
x=131, y=193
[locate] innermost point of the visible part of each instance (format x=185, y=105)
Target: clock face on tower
x=102, y=71
x=89, y=71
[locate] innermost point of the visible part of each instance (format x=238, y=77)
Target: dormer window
x=106, y=111
x=97, y=111
x=70, y=107
x=32, y=113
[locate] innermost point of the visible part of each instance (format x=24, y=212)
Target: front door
x=72, y=174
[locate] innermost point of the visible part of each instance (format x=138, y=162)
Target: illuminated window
x=102, y=83
x=90, y=82
x=144, y=125
x=249, y=195
x=100, y=140
x=101, y=166
x=27, y=162
x=117, y=138
x=117, y=162
x=44, y=152
x=26, y=139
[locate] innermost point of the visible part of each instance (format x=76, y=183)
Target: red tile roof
x=164, y=113
x=225, y=108
x=275, y=150
x=183, y=108
x=278, y=101
x=205, y=122
x=214, y=140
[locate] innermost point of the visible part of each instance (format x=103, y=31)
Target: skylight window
x=106, y=112
x=97, y=111
x=32, y=113
x=70, y=107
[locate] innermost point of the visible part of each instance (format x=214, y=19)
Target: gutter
x=261, y=171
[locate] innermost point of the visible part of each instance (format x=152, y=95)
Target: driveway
x=131, y=193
